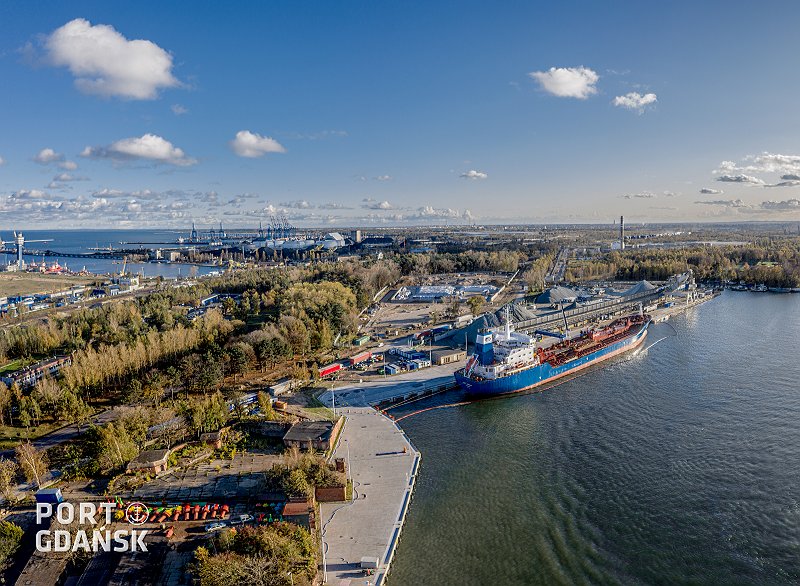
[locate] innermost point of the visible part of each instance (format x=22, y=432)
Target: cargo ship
x=509, y=361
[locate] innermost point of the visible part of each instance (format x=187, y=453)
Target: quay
x=383, y=467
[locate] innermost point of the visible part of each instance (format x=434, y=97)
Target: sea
x=679, y=464
x=81, y=241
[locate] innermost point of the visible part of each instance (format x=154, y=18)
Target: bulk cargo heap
x=509, y=361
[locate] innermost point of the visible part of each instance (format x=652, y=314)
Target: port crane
x=19, y=241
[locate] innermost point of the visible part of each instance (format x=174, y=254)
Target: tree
x=6, y=400
x=8, y=476
x=241, y=355
x=72, y=409
x=265, y=406
x=295, y=484
x=33, y=462
x=115, y=448
x=476, y=304
x=10, y=538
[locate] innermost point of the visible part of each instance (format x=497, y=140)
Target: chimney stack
x=622, y=233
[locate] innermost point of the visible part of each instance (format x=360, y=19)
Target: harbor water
x=83, y=241
x=679, y=464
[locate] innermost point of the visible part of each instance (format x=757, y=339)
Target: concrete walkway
x=383, y=464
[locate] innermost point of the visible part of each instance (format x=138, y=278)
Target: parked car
x=211, y=527
x=241, y=519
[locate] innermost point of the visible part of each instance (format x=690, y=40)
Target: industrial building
x=448, y=356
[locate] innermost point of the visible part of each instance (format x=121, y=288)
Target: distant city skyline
x=159, y=115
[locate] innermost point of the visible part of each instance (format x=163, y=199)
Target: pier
x=383, y=467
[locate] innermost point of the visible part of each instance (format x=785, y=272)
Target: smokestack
x=622, y=233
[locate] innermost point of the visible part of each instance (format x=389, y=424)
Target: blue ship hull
x=542, y=373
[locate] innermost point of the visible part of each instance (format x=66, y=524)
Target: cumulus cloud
x=298, y=205
x=65, y=177
x=106, y=63
x=383, y=178
x=68, y=165
x=788, y=166
x=29, y=194
x=432, y=212
x=2, y=161
x=371, y=204
x=740, y=178
x=710, y=191
x=178, y=110
x=149, y=147
x=251, y=145
x=567, y=82
x=474, y=175
x=47, y=156
x=635, y=101
x=789, y=205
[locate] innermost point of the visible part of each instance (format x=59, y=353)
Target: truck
x=329, y=369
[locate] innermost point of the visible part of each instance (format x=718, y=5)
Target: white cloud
x=740, y=178
x=635, y=101
x=790, y=205
x=298, y=205
x=64, y=177
x=383, y=178
x=2, y=161
x=333, y=206
x=371, y=204
x=432, y=212
x=730, y=203
x=475, y=175
x=68, y=165
x=787, y=183
x=786, y=165
x=642, y=195
x=47, y=156
x=251, y=145
x=179, y=110
x=29, y=194
x=709, y=191
x=104, y=62
x=149, y=147
x=567, y=82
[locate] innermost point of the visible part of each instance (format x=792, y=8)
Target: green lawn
x=15, y=365
x=11, y=436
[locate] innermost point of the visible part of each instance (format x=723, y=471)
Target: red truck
x=329, y=370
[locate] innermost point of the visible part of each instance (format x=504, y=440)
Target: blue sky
x=376, y=113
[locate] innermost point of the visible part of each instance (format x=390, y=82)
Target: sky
x=160, y=114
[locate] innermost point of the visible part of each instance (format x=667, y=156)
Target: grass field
x=15, y=365
x=12, y=284
x=12, y=436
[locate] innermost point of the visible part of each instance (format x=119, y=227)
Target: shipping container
x=49, y=495
x=360, y=357
x=329, y=370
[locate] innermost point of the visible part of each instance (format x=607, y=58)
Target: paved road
x=383, y=464
x=400, y=385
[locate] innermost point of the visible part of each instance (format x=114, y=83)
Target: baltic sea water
x=677, y=465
